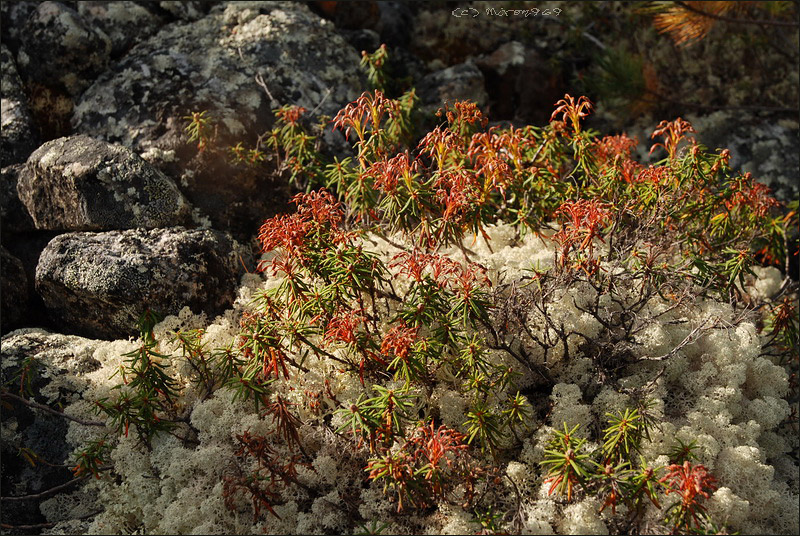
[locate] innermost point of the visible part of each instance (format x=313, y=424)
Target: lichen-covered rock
x=439, y=38
x=14, y=288
x=14, y=15
x=55, y=365
x=185, y=10
x=98, y=284
x=55, y=355
x=125, y=23
x=211, y=64
x=459, y=82
x=18, y=136
x=769, y=149
x=14, y=216
x=80, y=183
x=59, y=48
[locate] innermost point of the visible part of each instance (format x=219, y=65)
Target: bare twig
x=260, y=81
x=324, y=98
x=50, y=410
x=46, y=493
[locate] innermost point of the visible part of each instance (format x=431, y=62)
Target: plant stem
x=50, y=410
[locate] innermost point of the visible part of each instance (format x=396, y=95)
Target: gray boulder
x=79, y=183
x=186, y=10
x=60, y=49
x=125, y=23
x=98, y=284
x=211, y=65
x=459, y=82
x=55, y=365
x=18, y=136
x=14, y=16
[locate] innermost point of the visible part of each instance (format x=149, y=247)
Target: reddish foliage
x=367, y=109
x=320, y=206
x=692, y=482
x=751, y=194
x=287, y=422
x=584, y=220
x=464, y=112
x=343, y=326
x=285, y=231
x=439, y=143
x=610, y=147
x=572, y=110
x=398, y=340
x=290, y=114
x=673, y=133
x=656, y=176
x=446, y=272
x=387, y=173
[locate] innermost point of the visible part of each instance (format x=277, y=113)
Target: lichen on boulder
x=211, y=64
x=79, y=183
x=98, y=284
x=60, y=48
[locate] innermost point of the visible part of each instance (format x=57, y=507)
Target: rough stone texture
x=14, y=288
x=210, y=64
x=769, y=149
x=442, y=39
x=18, y=136
x=79, y=183
x=14, y=15
x=186, y=10
x=125, y=23
x=520, y=85
x=14, y=217
x=99, y=284
x=60, y=49
x=395, y=20
x=197, y=66
x=459, y=82
x=57, y=365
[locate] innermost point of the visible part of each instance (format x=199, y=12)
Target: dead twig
x=48, y=409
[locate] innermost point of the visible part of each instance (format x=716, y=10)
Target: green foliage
x=148, y=393
x=684, y=228
x=568, y=464
x=91, y=458
x=623, y=435
x=484, y=425
x=375, y=66
x=200, y=128
x=621, y=478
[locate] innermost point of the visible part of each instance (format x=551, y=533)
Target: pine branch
x=735, y=20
